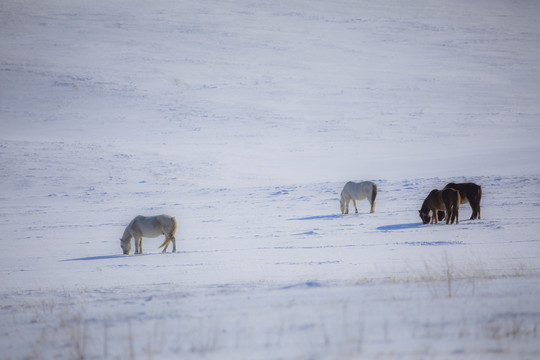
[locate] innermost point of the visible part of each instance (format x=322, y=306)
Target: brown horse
x=471, y=193
x=446, y=200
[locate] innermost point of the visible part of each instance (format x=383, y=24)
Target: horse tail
x=478, y=216
x=170, y=235
x=373, y=193
x=166, y=242
x=174, y=226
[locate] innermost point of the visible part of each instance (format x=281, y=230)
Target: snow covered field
x=244, y=119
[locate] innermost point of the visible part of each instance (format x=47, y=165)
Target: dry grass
x=67, y=331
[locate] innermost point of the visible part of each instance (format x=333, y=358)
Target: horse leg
x=136, y=239
x=476, y=211
x=372, y=206
x=355, y=208
x=456, y=213
x=475, y=206
x=173, y=244
x=434, y=219
x=347, y=206
x=441, y=214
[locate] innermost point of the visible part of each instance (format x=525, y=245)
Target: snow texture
x=244, y=119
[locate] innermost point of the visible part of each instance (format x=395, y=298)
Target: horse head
x=342, y=205
x=125, y=244
x=424, y=215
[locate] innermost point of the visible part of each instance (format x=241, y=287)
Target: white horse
x=152, y=226
x=358, y=191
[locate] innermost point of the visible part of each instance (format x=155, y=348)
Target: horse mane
x=343, y=191
x=425, y=205
x=127, y=234
x=427, y=200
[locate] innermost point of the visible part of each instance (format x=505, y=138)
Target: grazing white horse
x=358, y=191
x=152, y=226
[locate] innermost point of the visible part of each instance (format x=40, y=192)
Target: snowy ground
x=244, y=120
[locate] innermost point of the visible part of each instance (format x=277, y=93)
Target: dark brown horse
x=445, y=200
x=471, y=193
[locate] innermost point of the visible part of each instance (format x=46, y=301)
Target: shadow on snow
x=319, y=217
x=103, y=257
x=431, y=243
x=400, y=226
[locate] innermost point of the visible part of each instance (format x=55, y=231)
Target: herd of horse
x=442, y=204
x=445, y=202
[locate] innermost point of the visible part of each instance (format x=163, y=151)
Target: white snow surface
x=244, y=119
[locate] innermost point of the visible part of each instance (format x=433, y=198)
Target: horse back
x=451, y=196
x=149, y=226
x=469, y=192
x=360, y=190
